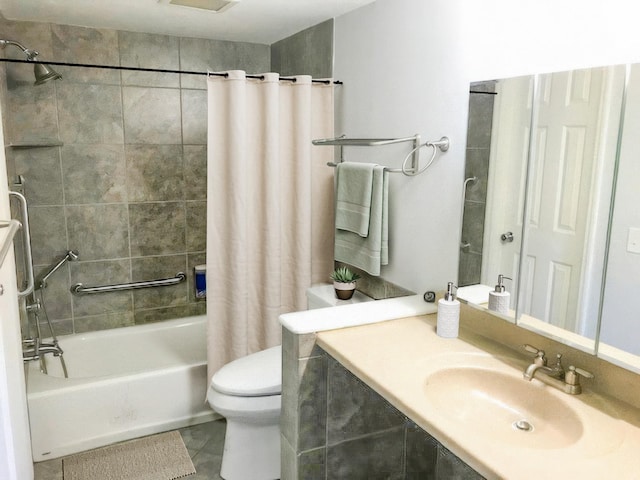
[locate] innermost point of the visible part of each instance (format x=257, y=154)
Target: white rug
x=158, y=457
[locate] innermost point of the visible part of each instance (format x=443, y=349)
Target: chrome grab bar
x=14, y=226
x=79, y=289
x=26, y=240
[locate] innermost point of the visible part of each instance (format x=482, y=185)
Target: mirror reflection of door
x=573, y=141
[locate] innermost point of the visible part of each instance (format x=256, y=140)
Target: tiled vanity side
x=335, y=427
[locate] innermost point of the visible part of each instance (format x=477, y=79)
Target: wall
x=407, y=65
x=127, y=188
x=619, y=315
x=309, y=52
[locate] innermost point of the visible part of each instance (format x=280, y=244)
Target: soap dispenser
x=448, y=319
x=499, y=298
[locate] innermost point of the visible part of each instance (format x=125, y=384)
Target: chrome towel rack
x=79, y=289
x=414, y=169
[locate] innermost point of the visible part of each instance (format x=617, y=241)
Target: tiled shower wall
x=126, y=187
x=477, y=165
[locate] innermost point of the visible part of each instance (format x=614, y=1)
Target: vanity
x=391, y=399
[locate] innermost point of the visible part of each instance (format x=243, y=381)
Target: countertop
x=394, y=358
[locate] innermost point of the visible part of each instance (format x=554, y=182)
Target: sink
x=503, y=406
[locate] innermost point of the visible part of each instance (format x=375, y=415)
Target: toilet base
x=251, y=451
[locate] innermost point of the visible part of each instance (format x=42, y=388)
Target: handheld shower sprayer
x=70, y=256
x=42, y=72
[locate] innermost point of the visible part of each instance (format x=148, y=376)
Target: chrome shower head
x=42, y=72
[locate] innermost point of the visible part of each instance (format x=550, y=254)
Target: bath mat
x=158, y=457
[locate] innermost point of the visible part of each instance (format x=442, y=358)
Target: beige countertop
x=396, y=357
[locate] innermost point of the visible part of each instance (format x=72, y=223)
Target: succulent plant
x=344, y=275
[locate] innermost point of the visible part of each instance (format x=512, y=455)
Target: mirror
x=544, y=199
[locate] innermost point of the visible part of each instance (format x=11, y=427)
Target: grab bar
x=26, y=240
x=79, y=289
x=14, y=226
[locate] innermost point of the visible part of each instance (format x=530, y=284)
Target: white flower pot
x=344, y=291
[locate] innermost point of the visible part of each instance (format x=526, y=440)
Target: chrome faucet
x=568, y=382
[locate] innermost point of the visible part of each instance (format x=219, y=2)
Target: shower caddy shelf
x=342, y=141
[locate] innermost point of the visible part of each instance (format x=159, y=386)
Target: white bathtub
x=123, y=383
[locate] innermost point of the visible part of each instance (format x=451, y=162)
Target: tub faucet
x=568, y=382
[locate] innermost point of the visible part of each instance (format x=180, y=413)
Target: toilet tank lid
x=255, y=375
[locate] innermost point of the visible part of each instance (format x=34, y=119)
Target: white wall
x=406, y=67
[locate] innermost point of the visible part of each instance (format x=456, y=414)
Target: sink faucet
x=568, y=382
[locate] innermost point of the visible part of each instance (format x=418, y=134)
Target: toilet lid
x=254, y=375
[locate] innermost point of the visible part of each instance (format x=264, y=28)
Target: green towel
x=353, y=197
x=373, y=251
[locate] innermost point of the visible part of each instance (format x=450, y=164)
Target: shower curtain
x=269, y=207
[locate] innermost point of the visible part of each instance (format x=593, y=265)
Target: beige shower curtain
x=269, y=207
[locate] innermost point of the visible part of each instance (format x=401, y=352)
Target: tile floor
x=204, y=443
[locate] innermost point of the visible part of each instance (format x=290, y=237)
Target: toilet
x=247, y=392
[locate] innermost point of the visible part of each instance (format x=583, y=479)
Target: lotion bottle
x=448, y=318
x=499, y=298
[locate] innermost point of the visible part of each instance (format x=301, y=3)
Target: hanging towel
x=353, y=196
x=373, y=251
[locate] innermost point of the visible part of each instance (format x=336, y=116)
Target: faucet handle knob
x=531, y=349
x=572, y=376
x=540, y=358
x=582, y=372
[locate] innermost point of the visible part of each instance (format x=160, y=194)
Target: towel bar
x=79, y=289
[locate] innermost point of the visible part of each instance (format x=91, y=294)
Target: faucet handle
x=540, y=355
x=572, y=377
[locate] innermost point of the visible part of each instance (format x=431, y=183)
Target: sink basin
x=503, y=406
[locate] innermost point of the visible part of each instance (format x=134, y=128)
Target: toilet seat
x=256, y=375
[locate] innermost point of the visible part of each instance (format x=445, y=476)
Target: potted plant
x=344, y=282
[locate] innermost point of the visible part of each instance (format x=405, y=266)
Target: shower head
x=42, y=72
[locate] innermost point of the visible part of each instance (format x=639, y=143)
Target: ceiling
x=258, y=21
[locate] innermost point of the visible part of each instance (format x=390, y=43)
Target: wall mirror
x=551, y=197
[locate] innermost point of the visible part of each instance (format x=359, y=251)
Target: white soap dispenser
x=499, y=298
x=448, y=319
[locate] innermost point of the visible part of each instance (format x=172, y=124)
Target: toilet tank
x=322, y=295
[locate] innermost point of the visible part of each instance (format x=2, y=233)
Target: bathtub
x=123, y=383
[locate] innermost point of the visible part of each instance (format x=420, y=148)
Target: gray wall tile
x=157, y=228
x=94, y=174
x=194, y=117
x=103, y=322
x=89, y=46
x=154, y=173
x=43, y=177
x=309, y=52
x=91, y=274
x=90, y=113
x=312, y=398
x=48, y=233
x=200, y=55
x=152, y=115
x=145, y=50
x=196, y=226
x=153, y=268
x=377, y=456
x=195, y=172
x=353, y=408
x=99, y=231
x=31, y=113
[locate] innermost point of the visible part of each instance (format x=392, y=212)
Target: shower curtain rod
x=156, y=70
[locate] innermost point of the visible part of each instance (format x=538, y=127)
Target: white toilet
x=247, y=392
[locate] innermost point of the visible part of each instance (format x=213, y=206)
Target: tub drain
x=523, y=426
